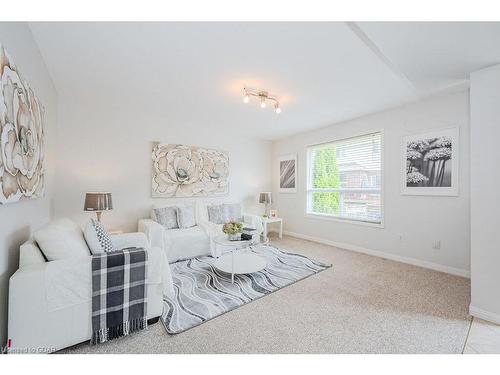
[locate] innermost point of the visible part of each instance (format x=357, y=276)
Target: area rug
x=202, y=292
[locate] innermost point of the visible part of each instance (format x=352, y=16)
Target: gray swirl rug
x=203, y=292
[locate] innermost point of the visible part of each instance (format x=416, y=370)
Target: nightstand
x=271, y=220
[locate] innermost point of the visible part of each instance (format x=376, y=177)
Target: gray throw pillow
x=232, y=212
x=216, y=214
x=185, y=217
x=167, y=216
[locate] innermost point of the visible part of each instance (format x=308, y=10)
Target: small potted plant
x=233, y=230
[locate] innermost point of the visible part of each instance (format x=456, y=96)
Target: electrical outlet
x=436, y=245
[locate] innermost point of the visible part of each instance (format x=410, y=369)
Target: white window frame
x=330, y=217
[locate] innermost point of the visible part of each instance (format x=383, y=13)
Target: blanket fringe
x=123, y=329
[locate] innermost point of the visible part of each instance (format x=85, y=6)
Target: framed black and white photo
x=288, y=173
x=430, y=163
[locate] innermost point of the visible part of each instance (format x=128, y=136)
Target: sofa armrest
x=255, y=221
x=26, y=301
x=51, y=292
x=126, y=240
x=153, y=231
x=159, y=270
x=212, y=230
x=29, y=254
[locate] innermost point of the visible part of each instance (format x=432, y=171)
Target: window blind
x=345, y=179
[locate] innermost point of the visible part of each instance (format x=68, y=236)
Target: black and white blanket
x=118, y=294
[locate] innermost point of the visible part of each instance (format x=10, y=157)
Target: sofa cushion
x=167, y=216
x=232, y=212
x=186, y=243
x=61, y=239
x=186, y=217
x=216, y=214
x=97, y=238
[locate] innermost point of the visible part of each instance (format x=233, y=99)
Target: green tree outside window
x=326, y=175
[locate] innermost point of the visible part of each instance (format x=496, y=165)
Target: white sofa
x=50, y=301
x=191, y=242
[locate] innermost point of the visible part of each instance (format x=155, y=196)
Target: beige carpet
x=363, y=304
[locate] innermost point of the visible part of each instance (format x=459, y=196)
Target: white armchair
x=50, y=301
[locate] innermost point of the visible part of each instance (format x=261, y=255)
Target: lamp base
x=98, y=214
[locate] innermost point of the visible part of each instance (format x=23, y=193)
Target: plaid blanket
x=118, y=294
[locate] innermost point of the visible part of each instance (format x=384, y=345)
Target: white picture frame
x=430, y=163
x=287, y=169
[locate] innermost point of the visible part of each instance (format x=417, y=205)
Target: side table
x=271, y=220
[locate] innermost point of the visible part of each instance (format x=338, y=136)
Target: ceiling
x=323, y=73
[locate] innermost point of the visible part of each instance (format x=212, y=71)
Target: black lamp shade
x=265, y=197
x=98, y=202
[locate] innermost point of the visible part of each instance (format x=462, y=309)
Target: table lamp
x=98, y=202
x=266, y=198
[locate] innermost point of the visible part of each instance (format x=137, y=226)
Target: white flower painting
x=21, y=136
x=430, y=163
x=188, y=171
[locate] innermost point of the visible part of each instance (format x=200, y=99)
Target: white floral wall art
x=430, y=163
x=188, y=171
x=288, y=173
x=21, y=136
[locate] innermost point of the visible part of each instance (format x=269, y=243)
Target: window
x=344, y=179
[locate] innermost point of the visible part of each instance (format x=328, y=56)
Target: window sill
x=345, y=221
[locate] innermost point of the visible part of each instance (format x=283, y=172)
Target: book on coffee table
x=248, y=230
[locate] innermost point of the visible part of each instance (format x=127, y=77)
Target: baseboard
x=483, y=314
x=381, y=254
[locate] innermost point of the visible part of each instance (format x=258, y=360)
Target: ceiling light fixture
x=263, y=96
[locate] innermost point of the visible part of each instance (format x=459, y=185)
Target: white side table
x=270, y=220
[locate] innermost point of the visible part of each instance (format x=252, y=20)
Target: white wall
x=106, y=145
x=412, y=223
x=18, y=220
x=485, y=180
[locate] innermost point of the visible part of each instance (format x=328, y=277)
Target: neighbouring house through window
x=344, y=179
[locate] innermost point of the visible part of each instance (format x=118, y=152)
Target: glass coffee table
x=239, y=258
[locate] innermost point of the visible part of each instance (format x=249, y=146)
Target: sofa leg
x=153, y=321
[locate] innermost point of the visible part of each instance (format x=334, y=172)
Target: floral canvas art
x=431, y=163
x=188, y=171
x=21, y=136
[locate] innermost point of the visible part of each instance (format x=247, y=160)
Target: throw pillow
x=185, y=217
x=61, y=239
x=232, y=212
x=97, y=237
x=167, y=216
x=216, y=214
